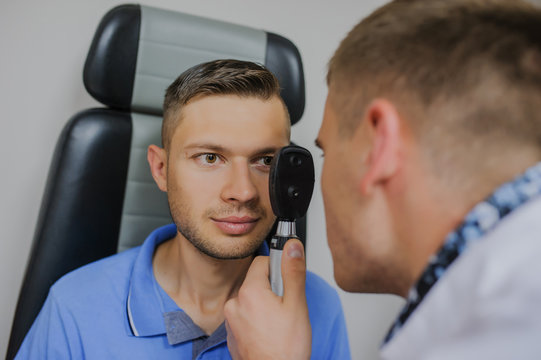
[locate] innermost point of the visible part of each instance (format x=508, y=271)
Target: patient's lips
x=235, y=225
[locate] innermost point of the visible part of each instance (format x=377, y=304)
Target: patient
x=223, y=121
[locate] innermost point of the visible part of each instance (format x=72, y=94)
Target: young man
x=223, y=121
x=431, y=185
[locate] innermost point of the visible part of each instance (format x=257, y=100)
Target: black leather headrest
x=137, y=51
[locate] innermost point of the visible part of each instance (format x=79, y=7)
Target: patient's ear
x=157, y=159
x=382, y=131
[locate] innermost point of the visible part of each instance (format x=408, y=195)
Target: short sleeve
x=52, y=336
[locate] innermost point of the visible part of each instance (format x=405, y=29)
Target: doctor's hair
x=464, y=74
x=218, y=77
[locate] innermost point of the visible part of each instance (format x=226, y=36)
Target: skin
x=385, y=214
x=216, y=178
x=387, y=211
x=283, y=317
x=377, y=192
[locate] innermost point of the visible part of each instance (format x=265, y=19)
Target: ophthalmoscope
x=291, y=183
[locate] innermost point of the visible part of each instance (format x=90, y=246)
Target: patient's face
x=218, y=169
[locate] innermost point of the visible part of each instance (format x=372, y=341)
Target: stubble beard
x=189, y=229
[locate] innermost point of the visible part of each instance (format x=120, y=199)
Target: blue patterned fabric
x=479, y=221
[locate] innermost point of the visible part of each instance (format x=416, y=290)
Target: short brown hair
x=218, y=77
x=468, y=70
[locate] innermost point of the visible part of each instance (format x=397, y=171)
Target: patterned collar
x=479, y=221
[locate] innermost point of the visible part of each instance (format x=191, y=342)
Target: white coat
x=487, y=305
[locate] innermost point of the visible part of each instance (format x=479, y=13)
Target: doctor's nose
x=240, y=186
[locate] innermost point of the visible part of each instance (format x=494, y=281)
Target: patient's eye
x=211, y=158
x=267, y=160
x=263, y=163
x=207, y=159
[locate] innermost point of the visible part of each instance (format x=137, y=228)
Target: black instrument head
x=291, y=182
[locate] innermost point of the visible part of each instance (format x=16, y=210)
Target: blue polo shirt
x=115, y=309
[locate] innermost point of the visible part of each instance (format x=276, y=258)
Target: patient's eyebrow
x=208, y=146
x=220, y=149
x=267, y=150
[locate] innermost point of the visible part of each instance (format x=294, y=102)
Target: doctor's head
x=431, y=105
x=223, y=122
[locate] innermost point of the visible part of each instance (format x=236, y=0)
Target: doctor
x=431, y=184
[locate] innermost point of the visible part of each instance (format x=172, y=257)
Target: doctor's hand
x=263, y=325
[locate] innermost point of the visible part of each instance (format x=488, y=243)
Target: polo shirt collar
x=145, y=305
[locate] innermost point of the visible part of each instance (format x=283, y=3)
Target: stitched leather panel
x=81, y=208
x=110, y=64
x=145, y=206
x=171, y=42
x=284, y=60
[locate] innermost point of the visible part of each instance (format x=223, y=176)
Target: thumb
x=293, y=272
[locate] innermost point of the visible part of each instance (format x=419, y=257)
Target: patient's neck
x=199, y=284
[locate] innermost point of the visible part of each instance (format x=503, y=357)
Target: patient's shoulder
x=110, y=274
x=319, y=292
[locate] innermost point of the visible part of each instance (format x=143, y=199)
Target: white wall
x=43, y=46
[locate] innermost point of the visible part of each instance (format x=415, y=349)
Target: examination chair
x=100, y=197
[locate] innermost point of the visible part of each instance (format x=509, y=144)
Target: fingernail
x=294, y=251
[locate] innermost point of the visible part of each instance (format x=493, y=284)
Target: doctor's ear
x=382, y=124
x=157, y=159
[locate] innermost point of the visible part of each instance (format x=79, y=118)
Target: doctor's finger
x=294, y=272
x=258, y=274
